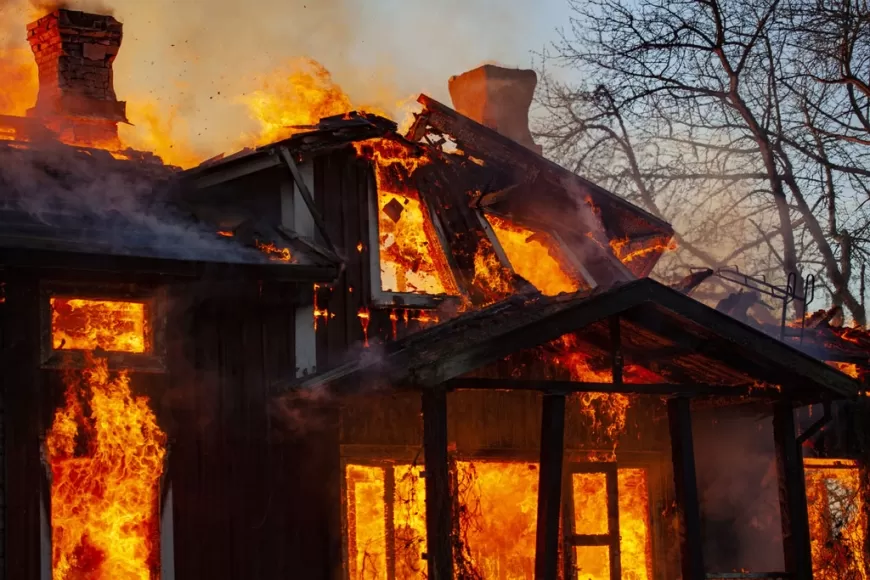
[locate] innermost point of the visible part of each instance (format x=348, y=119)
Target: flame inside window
x=79, y=324
x=534, y=256
x=106, y=454
x=590, y=517
x=838, y=522
x=411, y=256
x=386, y=522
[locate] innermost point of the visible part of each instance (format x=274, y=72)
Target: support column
x=550, y=487
x=439, y=524
x=683, y=454
x=792, y=495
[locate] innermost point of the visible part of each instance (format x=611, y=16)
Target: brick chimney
x=74, y=54
x=499, y=98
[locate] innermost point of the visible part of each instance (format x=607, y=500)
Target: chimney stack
x=499, y=98
x=74, y=54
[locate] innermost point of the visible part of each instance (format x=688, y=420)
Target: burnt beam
x=792, y=495
x=686, y=487
x=439, y=525
x=616, y=346
x=567, y=387
x=550, y=487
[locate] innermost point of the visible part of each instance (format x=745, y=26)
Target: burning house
x=361, y=354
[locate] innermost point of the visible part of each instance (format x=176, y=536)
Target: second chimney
x=74, y=54
x=499, y=98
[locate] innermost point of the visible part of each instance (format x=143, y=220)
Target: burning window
x=411, y=257
x=591, y=534
x=535, y=256
x=386, y=521
x=838, y=523
x=86, y=324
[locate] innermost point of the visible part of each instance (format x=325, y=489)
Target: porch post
x=683, y=455
x=439, y=521
x=550, y=487
x=792, y=494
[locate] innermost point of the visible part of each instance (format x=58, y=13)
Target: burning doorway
x=105, y=452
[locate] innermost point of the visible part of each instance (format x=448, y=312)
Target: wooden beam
x=792, y=495
x=550, y=487
x=306, y=195
x=567, y=387
x=616, y=350
x=439, y=525
x=683, y=455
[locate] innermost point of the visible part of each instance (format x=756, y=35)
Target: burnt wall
x=244, y=507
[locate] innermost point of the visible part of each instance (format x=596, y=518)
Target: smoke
x=197, y=58
x=95, y=6
x=739, y=492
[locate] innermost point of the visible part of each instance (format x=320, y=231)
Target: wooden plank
x=305, y=193
x=612, y=484
x=566, y=387
x=616, y=346
x=685, y=482
x=550, y=487
x=792, y=494
x=439, y=524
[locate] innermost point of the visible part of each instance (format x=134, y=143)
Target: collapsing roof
x=695, y=347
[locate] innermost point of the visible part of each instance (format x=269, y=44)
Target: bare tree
x=707, y=113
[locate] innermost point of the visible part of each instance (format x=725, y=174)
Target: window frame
x=154, y=298
x=388, y=299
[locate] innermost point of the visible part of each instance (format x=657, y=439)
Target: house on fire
x=357, y=354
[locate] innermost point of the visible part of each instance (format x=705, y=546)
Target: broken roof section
x=697, y=349
x=62, y=206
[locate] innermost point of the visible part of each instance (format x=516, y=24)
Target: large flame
x=106, y=454
x=534, y=256
x=838, y=520
x=81, y=324
x=375, y=540
x=20, y=81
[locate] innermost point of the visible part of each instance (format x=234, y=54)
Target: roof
x=63, y=206
x=686, y=340
x=543, y=183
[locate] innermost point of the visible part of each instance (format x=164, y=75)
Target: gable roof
x=702, y=345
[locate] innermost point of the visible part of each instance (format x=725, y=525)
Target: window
x=838, y=523
x=385, y=514
x=122, y=324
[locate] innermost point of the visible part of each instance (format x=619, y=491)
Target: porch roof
x=686, y=341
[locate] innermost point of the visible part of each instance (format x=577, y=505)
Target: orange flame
x=364, y=320
x=838, y=521
x=623, y=251
x=533, y=256
x=106, y=466
x=79, y=324
x=411, y=256
x=850, y=369
x=274, y=252
x=369, y=519
x=490, y=274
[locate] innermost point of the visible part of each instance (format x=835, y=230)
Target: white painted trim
x=303, y=222
x=167, y=538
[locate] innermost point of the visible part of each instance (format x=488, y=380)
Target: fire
x=533, y=256
x=623, y=251
x=372, y=512
x=850, y=369
x=274, y=252
x=106, y=464
x=838, y=520
x=411, y=257
x=364, y=320
x=20, y=81
x=498, y=518
x=606, y=411
x=590, y=517
x=320, y=313
x=295, y=96
x=489, y=273
x=80, y=324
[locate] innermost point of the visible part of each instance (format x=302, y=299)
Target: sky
x=196, y=57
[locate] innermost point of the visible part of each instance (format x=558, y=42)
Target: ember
x=106, y=463
x=534, y=256
x=623, y=250
x=274, y=252
x=838, y=521
x=79, y=324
